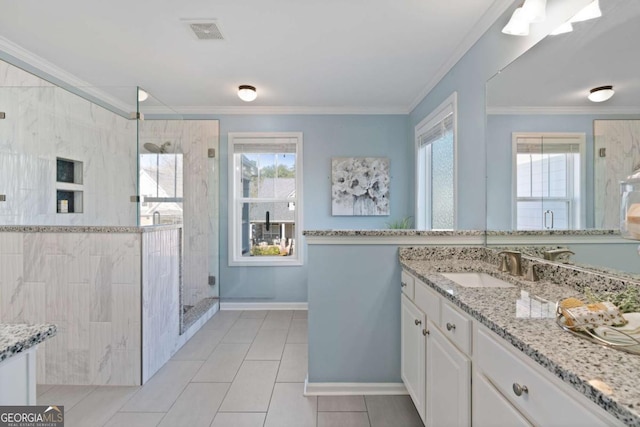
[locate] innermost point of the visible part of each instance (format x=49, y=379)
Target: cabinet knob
x=418, y=322
x=450, y=326
x=519, y=389
x=403, y=285
x=425, y=332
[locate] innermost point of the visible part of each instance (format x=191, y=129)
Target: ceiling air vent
x=206, y=30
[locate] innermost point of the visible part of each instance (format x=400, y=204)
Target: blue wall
x=354, y=314
x=324, y=136
x=499, y=146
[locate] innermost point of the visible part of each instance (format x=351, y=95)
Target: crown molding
x=486, y=21
x=220, y=110
x=34, y=64
x=563, y=110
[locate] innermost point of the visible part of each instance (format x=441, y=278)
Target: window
x=435, y=169
x=548, y=181
x=265, y=186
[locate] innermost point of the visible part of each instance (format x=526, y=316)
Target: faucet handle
x=503, y=264
x=531, y=273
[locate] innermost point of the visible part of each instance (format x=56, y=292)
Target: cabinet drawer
x=491, y=409
x=457, y=327
x=428, y=301
x=407, y=284
x=543, y=402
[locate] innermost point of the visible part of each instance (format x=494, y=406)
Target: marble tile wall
x=161, y=253
x=193, y=138
x=44, y=122
x=88, y=284
x=621, y=139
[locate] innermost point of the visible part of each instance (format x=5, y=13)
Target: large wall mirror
x=555, y=158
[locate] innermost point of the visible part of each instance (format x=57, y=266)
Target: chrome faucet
x=514, y=262
x=154, y=218
x=553, y=254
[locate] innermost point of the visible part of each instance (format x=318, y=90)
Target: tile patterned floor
x=242, y=369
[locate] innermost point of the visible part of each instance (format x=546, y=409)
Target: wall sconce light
x=535, y=10
x=601, y=94
x=564, y=28
x=518, y=25
x=247, y=93
x=591, y=11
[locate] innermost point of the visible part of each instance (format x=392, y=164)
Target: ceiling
x=329, y=55
x=557, y=73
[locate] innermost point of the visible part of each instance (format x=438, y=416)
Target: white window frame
x=234, y=208
x=578, y=138
x=449, y=105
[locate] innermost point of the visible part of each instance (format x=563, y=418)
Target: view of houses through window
x=548, y=182
x=266, y=198
x=161, y=188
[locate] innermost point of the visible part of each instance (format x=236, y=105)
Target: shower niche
x=69, y=189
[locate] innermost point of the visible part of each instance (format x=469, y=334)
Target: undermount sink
x=477, y=280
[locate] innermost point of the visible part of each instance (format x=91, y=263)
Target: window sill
x=266, y=262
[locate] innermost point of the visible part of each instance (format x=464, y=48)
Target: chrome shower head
x=153, y=148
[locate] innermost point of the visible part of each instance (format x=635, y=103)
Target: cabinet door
x=448, y=390
x=412, y=353
x=491, y=409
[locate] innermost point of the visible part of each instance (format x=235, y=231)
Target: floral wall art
x=360, y=186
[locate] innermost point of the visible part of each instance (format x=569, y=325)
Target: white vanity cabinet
x=530, y=390
x=441, y=346
x=438, y=374
x=448, y=382
x=413, y=353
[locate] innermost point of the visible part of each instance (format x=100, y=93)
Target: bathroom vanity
x=375, y=330
x=494, y=352
x=18, y=344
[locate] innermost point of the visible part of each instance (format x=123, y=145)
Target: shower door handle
x=545, y=219
x=268, y=224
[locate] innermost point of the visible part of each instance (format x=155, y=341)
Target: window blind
x=437, y=131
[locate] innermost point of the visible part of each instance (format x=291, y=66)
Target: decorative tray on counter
x=625, y=338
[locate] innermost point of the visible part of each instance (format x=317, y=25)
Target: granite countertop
x=85, y=228
x=16, y=338
x=525, y=317
x=390, y=232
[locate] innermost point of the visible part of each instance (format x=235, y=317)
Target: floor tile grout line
x=367, y=407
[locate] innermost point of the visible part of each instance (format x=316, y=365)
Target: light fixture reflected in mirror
x=562, y=29
x=591, y=11
x=518, y=25
x=142, y=95
x=601, y=94
x=535, y=10
x=247, y=93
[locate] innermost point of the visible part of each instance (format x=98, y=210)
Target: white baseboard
x=264, y=306
x=350, y=389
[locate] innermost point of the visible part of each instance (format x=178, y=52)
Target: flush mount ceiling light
x=142, y=95
x=591, y=11
x=535, y=10
x=518, y=25
x=247, y=93
x=601, y=94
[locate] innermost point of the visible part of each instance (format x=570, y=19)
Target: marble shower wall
x=161, y=298
x=88, y=284
x=200, y=187
x=621, y=139
x=44, y=122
